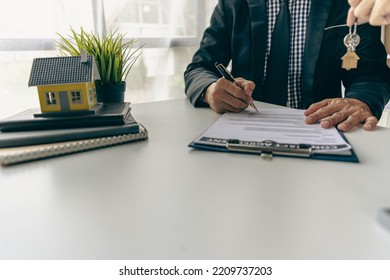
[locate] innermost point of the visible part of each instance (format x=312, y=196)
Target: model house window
x=76, y=97
x=51, y=98
x=92, y=94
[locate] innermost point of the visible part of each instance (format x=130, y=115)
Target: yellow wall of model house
x=86, y=90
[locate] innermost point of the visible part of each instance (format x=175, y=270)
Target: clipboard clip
x=266, y=149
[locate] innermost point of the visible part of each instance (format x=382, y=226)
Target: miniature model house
x=65, y=84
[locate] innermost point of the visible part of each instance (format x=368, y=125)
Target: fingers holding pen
x=225, y=96
x=247, y=86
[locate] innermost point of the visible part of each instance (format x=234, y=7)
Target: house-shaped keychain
x=65, y=85
x=350, y=60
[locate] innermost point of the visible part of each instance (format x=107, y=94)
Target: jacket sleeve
x=374, y=94
x=214, y=47
x=370, y=82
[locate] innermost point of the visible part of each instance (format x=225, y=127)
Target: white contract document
x=274, y=127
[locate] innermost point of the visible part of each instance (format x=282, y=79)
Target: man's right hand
x=225, y=96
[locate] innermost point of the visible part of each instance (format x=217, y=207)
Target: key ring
x=354, y=29
x=352, y=39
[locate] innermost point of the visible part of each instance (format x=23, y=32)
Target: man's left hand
x=345, y=113
x=376, y=12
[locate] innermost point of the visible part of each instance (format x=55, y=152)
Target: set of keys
x=351, y=41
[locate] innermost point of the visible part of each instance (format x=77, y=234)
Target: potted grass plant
x=114, y=57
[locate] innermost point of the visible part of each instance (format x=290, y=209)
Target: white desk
x=159, y=199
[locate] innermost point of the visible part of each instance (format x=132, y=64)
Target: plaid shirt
x=299, y=12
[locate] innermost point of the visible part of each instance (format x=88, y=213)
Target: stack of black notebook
x=27, y=136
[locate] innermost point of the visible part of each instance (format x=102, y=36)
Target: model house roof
x=63, y=70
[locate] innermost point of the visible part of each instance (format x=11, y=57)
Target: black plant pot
x=110, y=93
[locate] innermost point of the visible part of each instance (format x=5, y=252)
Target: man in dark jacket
x=240, y=34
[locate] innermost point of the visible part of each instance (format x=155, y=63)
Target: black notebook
x=108, y=114
x=33, y=137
